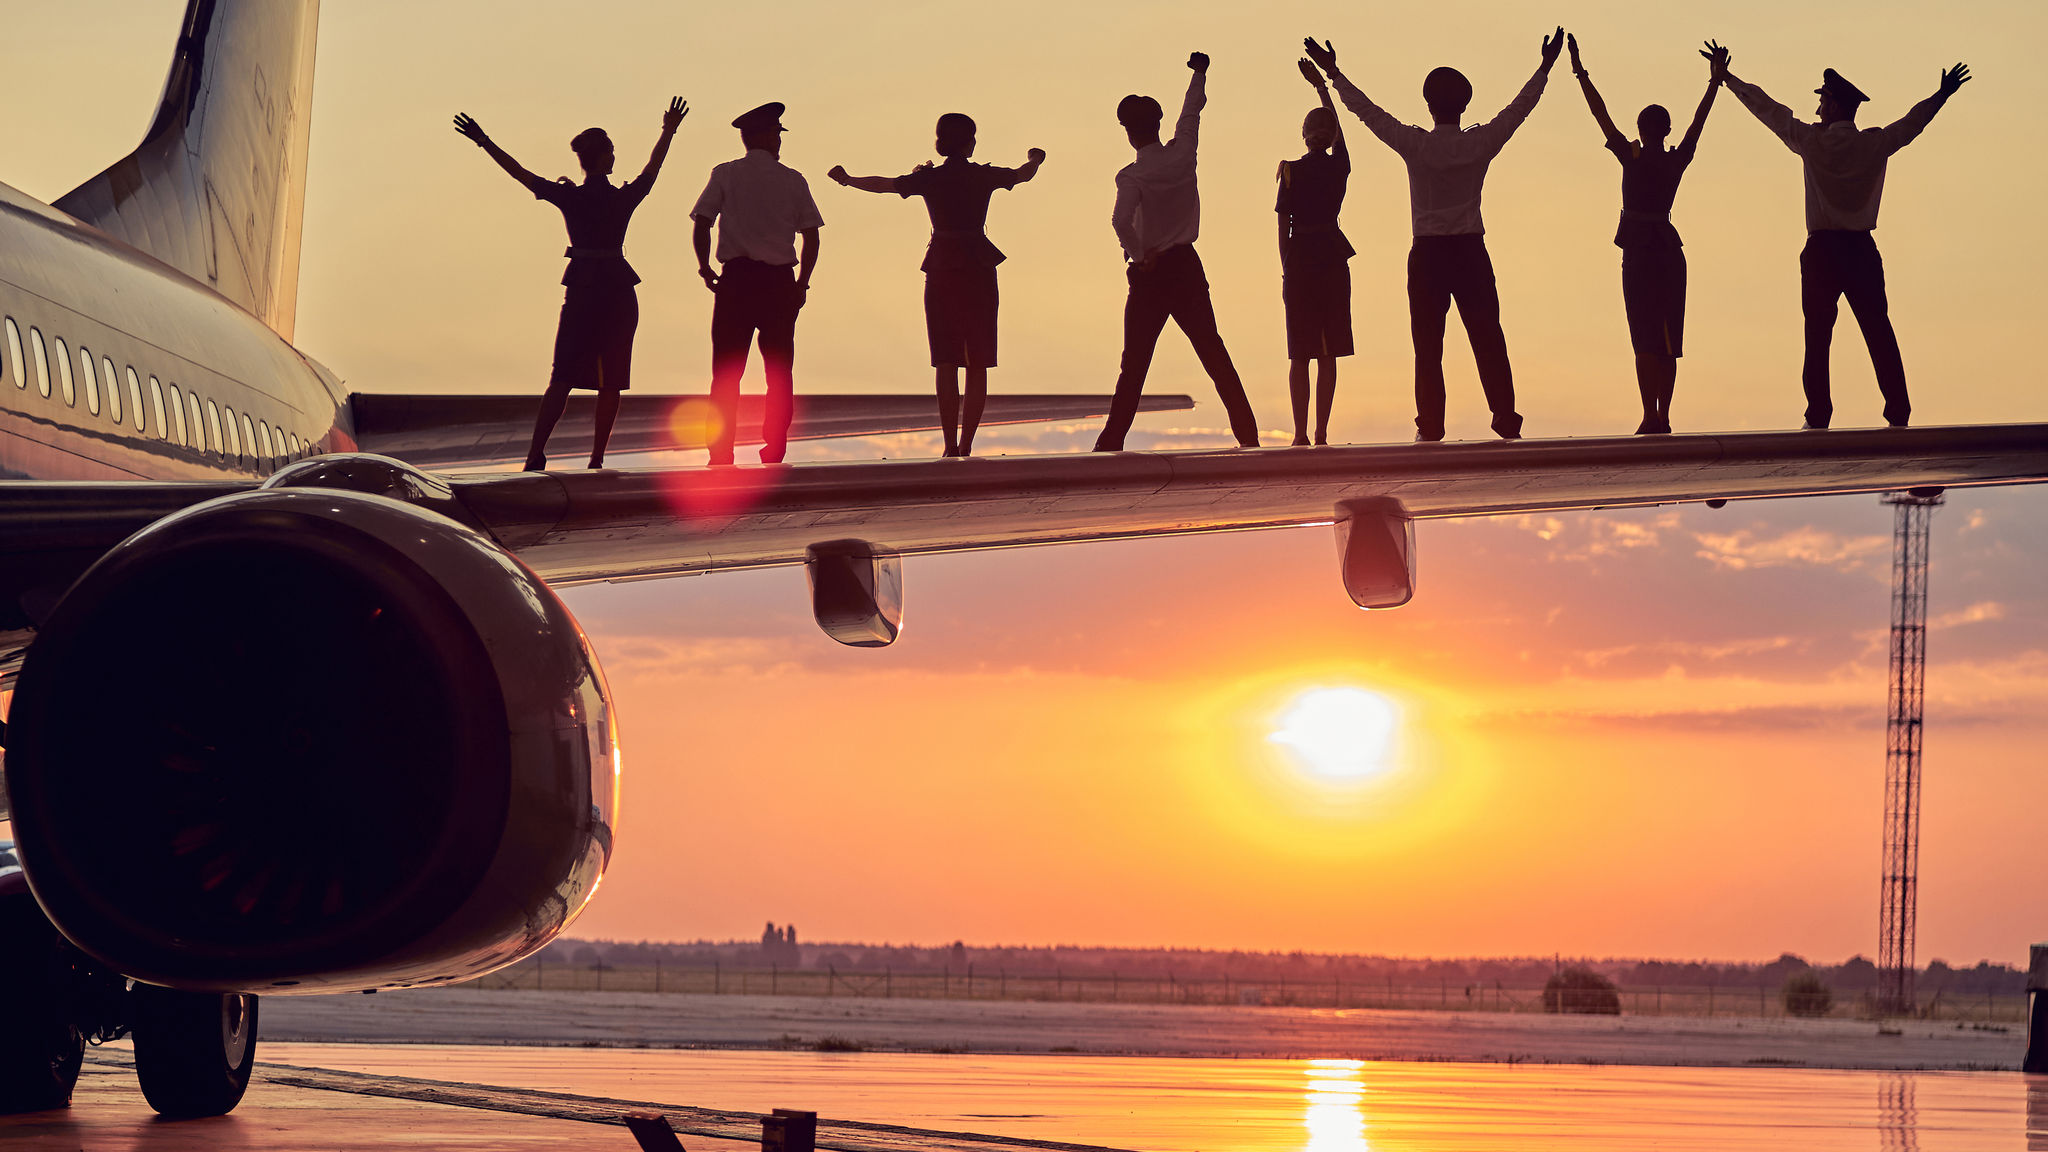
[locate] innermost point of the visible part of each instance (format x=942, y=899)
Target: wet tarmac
x=346, y=1097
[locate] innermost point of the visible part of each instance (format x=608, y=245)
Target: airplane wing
x=578, y=526
x=457, y=431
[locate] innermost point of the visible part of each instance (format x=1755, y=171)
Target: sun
x=1342, y=735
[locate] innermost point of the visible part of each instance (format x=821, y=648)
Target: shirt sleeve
x=1381, y=123
x=1907, y=128
x=915, y=182
x=712, y=201
x=807, y=216
x=1496, y=132
x=548, y=190
x=1004, y=178
x=1124, y=217
x=1779, y=119
x=1286, y=181
x=1342, y=155
x=1189, y=126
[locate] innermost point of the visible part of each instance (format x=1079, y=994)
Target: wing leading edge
x=578, y=527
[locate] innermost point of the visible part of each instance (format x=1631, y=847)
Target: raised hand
x=1552, y=45
x=1035, y=156
x=1954, y=78
x=1717, y=58
x=470, y=129
x=1308, y=72
x=1323, y=55
x=673, y=118
x=1572, y=43
x=838, y=174
x=1199, y=61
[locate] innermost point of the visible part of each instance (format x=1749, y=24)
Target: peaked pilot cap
x=766, y=118
x=1844, y=93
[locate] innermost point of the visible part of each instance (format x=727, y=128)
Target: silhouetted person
x=1158, y=214
x=959, y=267
x=1315, y=283
x=760, y=206
x=1844, y=182
x=600, y=308
x=1652, y=255
x=1446, y=173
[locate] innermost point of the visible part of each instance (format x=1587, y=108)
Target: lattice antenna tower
x=1913, y=514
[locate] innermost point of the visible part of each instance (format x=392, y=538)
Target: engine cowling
x=311, y=740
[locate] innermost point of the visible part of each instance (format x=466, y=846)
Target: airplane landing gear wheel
x=40, y=1045
x=193, y=1050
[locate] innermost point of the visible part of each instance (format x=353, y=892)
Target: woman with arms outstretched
x=959, y=267
x=600, y=309
x=1652, y=256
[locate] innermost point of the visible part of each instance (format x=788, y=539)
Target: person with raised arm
x=1652, y=255
x=1157, y=216
x=1844, y=168
x=1446, y=173
x=600, y=307
x=959, y=267
x=1315, y=270
x=760, y=206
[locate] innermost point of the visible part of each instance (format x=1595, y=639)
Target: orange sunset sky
x=1643, y=733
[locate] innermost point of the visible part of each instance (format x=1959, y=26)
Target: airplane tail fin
x=217, y=188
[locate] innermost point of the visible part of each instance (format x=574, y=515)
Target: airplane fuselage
x=116, y=366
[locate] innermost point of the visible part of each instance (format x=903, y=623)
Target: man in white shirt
x=1446, y=172
x=1844, y=181
x=760, y=208
x=1158, y=213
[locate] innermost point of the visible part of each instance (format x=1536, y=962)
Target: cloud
x=1802, y=546
x=1976, y=613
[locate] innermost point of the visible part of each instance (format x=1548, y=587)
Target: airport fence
x=1336, y=993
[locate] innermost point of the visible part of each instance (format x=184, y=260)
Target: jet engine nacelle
x=311, y=740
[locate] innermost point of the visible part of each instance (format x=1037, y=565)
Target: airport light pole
x=1898, y=902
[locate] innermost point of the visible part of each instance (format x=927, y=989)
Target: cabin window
x=234, y=440
x=156, y=394
x=177, y=424
x=213, y=439
x=14, y=354
x=263, y=440
x=92, y=383
x=64, y=382
x=198, y=421
x=42, y=354
x=249, y=438
x=292, y=445
x=113, y=380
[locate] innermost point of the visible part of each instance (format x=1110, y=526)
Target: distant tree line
x=778, y=947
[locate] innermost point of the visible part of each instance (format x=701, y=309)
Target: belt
x=1645, y=217
x=957, y=234
x=575, y=253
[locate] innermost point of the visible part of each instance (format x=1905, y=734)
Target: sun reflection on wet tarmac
x=1335, y=1116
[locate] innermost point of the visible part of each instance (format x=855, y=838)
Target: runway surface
x=347, y=1097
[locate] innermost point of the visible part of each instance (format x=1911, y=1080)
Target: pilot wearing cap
x=760, y=206
x=1845, y=168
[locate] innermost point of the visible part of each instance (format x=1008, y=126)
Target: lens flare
x=1340, y=734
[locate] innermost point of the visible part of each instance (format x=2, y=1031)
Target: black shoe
x=1300, y=441
x=536, y=464
x=1426, y=438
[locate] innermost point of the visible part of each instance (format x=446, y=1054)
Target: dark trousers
x=1442, y=269
x=1175, y=287
x=1833, y=265
x=754, y=297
